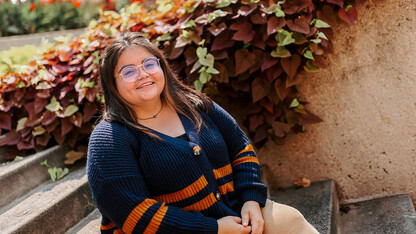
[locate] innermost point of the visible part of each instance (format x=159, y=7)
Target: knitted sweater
x=142, y=184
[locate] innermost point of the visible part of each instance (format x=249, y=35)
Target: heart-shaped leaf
x=349, y=16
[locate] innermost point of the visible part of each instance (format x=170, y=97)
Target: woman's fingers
x=245, y=217
x=257, y=225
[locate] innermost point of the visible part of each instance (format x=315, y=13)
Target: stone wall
x=367, y=99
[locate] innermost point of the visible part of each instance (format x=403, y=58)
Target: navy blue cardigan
x=142, y=184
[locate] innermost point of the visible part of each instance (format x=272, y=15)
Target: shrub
x=251, y=50
x=40, y=16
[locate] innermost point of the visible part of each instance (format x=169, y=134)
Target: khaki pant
x=279, y=218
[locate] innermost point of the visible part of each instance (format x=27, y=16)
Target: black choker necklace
x=154, y=116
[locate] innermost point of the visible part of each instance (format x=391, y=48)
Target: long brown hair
x=182, y=98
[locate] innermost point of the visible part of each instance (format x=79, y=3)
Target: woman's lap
x=279, y=218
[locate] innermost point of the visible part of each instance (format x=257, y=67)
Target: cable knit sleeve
x=121, y=194
x=244, y=161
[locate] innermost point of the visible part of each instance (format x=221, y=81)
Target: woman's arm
x=244, y=162
x=121, y=194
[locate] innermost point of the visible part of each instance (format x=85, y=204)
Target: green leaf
x=295, y=103
x=321, y=35
x=308, y=54
x=42, y=73
x=70, y=110
x=44, y=163
x=203, y=68
x=18, y=158
x=203, y=77
x=208, y=61
x=61, y=173
x=185, y=34
x=284, y=37
x=316, y=41
x=223, y=3
x=201, y=52
x=89, y=84
x=43, y=85
x=97, y=57
x=38, y=130
x=309, y=67
x=198, y=85
x=189, y=24
x=280, y=52
x=321, y=24
x=52, y=173
x=195, y=67
x=54, y=105
x=280, y=13
x=212, y=70
x=21, y=124
x=216, y=14
x=164, y=37
x=201, y=43
x=348, y=7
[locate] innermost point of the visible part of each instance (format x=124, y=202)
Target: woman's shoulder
x=111, y=131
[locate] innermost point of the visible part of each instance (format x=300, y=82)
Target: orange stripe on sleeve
x=118, y=231
x=136, y=214
x=228, y=187
x=108, y=226
x=223, y=171
x=202, y=204
x=189, y=191
x=245, y=160
x=246, y=149
x=156, y=220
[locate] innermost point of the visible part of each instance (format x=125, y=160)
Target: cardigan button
x=218, y=195
x=197, y=150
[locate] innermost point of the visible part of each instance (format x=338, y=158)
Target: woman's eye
x=127, y=73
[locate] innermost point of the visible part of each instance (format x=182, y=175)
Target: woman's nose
x=142, y=72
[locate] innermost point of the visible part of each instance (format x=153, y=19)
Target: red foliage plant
x=250, y=50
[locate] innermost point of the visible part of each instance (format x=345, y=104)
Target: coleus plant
x=250, y=49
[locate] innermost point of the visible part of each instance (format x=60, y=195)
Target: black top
x=183, y=137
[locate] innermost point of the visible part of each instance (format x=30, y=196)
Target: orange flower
x=136, y=1
x=32, y=6
x=50, y=1
x=77, y=3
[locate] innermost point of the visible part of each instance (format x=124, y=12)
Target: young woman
x=166, y=159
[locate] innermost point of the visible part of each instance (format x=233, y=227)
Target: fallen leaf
x=302, y=182
x=73, y=156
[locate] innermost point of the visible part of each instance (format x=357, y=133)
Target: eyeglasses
x=131, y=73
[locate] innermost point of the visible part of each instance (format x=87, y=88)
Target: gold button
x=197, y=150
x=218, y=195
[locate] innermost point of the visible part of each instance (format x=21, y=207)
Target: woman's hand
x=232, y=225
x=251, y=213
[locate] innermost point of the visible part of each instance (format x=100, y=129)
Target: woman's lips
x=145, y=84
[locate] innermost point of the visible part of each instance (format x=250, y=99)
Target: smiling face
x=146, y=90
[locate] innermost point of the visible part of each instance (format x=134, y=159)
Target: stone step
x=395, y=214
x=89, y=225
x=18, y=178
x=52, y=207
x=318, y=203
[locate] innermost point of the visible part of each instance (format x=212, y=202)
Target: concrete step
x=18, y=178
x=52, y=207
x=89, y=225
x=318, y=203
x=395, y=214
